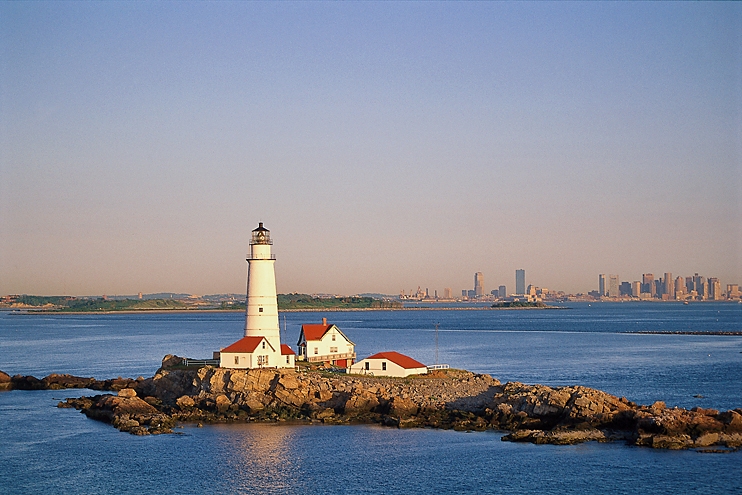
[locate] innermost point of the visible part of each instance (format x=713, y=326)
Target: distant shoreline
x=32, y=311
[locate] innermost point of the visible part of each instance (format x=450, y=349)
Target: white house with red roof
x=388, y=363
x=256, y=352
x=325, y=343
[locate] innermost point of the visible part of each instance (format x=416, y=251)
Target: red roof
x=314, y=332
x=405, y=362
x=245, y=344
x=286, y=350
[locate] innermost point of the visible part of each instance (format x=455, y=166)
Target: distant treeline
x=82, y=305
x=305, y=301
x=285, y=302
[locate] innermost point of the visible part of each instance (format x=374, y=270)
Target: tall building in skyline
x=679, y=286
x=648, y=286
x=447, y=293
x=601, y=284
x=613, y=286
x=714, y=292
x=636, y=288
x=520, y=282
x=502, y=291
x=478, y=284
x=668, y=285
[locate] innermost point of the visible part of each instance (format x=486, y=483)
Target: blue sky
x=386, y=145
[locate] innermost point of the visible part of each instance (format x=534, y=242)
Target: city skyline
x=386, y=145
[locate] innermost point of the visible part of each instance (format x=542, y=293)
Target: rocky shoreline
x=443, y=399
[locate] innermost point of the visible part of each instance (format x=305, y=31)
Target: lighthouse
x=261, y=346
x=261, y=315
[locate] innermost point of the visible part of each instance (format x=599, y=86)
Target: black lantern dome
x=261, y=235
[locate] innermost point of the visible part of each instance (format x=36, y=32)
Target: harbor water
x=642, y=351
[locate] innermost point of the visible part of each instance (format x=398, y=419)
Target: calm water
x=45, y=449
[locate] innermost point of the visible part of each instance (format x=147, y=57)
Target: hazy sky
x=385, y=145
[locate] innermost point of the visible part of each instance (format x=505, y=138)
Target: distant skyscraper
x=520, y=282
x=447, y=293
x=700, y=286
x=613, y=286
x=714, y=292
x=478, y=284
x=732, y=291
x=668, y=286
x=679, y=286
x=503, y=291
x=625, y=288
x=601, y=284
x=636, y=288
x=648, y=284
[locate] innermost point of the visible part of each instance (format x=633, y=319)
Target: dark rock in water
x=59, y=382
x=19, y=382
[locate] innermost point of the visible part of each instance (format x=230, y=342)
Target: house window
x=383, y=365
x=333, y=337
x=287, y=360
x=367, y=365
x=264, y=344
x=236, y=360
x=333, y=349
x=316, y=351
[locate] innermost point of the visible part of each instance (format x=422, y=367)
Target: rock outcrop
x=443, y=399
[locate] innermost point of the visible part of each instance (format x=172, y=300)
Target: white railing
x=200, y=362
x=331, y=357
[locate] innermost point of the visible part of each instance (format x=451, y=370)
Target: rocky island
x=455, y=399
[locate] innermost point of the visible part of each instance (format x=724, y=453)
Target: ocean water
x=51, y=450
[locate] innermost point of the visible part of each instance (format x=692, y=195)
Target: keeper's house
x=388, y=363
x=256, y=352
x=325, y=344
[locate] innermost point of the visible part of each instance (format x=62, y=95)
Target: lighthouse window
x=260, y=310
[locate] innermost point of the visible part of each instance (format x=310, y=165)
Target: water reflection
x=260, y=455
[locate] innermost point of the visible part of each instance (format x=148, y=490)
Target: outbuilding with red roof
x=389, y=363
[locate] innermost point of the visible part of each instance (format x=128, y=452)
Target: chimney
x=324, y=321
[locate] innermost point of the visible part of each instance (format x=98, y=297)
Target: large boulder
x=5, y=381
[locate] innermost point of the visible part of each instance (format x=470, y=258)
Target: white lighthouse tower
x=261, y=315
x=261, y=346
